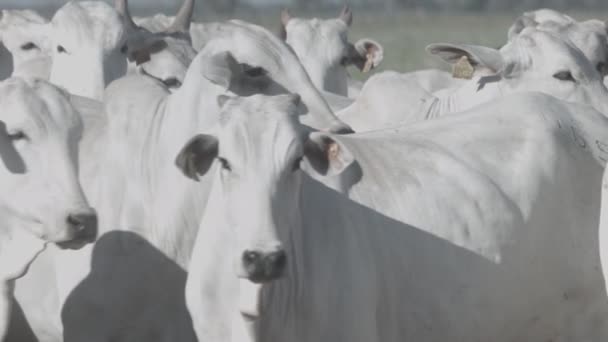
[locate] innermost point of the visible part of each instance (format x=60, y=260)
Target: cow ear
x=197, y=156
x=140, y=49
x=346, y=15
x=478, y=56
x=326, y=155
x=367, y=54
x=520, y=24
x=219, y=68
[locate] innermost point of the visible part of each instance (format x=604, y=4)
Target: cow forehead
x=38, y=103
x=589, y=37
x=92, y=22
x=21, y=25
x=550, y=45
x=258, y=124
x=316, y=29
x=18, y=17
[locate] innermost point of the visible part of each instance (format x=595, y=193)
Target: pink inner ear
x=371, y=48
x=285, y=16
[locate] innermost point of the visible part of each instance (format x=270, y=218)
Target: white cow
x=590, y=36
x=325, y=52
x=149, y=214
x=22, y=34
x=475, y=227
x=164, y=54
x=87, y=41
x=534, y=61
x=40, y=198
x=200, y=33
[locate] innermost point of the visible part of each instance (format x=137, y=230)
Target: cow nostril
x=250, y=257
x=83, y=224
x=76, y=221
x=278, y=260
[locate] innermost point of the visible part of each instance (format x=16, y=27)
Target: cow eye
x=124, y=49
x=28, y=46
x=61, y=49
x=296, y=164
x=564, y=76
x=17, y=136
x=601, y=67
x=225, y=164
x=172, y=82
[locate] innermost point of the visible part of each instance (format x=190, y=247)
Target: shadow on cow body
x=445, y=236
x=19, y=329
x=126, y=269
x=434, y=284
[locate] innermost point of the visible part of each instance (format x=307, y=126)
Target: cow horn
x=347, y=15
x=122, y=7
x=182, y=20
x=285, y=16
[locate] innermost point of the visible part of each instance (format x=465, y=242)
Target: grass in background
x=404, y=34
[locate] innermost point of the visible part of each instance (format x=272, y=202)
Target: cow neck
x=86, y=81
x=333, y=79
x=187, y=112
x=474, y=92
x=313, y=235
x=319, y=114
x=190, y=110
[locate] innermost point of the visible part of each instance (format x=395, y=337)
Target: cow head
x=22, y=32
x=538, y=17
x=165, y=54
x=260, y=149
x=244, y=59
x=590, y=36
x=87, y=40
x=324, y=49
x=39, y=188
x=535, y=60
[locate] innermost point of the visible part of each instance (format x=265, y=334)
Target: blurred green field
x=405, y=35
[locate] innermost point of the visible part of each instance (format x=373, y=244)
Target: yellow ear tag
x=369, y=64
x=463, y=69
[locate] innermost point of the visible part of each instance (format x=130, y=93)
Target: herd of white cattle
x=164, y=180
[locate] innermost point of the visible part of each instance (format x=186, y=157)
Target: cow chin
x=74, y=244
x=75, y=241
x=76, y=234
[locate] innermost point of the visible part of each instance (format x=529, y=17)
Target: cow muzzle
x=260, y=267
x=82, y=227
